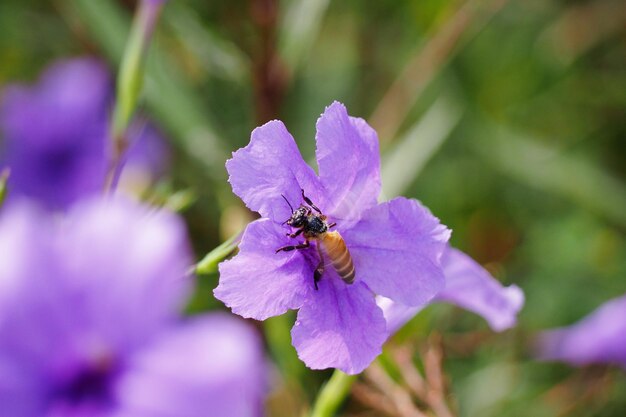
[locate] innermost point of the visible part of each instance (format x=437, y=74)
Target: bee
x=311, y=223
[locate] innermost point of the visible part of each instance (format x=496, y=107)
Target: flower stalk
x=208, y=264
x=130, y=81
x=4, y=177
x=333, y=394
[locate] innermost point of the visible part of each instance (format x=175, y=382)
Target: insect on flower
x=315, y=227
x=354, y=246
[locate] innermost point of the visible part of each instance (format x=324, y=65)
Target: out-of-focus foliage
x=513, y=135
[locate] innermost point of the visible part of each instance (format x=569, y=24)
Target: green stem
x=130, y=80
x=130, y=77
x=208, y=264
x=4, y=177
x=333, y=394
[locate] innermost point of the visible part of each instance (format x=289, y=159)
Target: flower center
x=58, y=163
x=90, y=388
x=88, y=385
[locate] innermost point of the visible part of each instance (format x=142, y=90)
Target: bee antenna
x=287, y=202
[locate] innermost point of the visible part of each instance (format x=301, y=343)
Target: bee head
x=298, y=217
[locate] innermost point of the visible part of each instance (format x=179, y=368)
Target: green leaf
x=299, y=28
x=333, y=394
x=169, y=95
x=208, y=264
x=407, y=157
x=548, y=169
x=216, y=55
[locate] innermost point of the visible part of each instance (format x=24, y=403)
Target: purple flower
x=56, y=134
x=598, y=338
x=468, y=285
x=395, y=246
x=90, y=322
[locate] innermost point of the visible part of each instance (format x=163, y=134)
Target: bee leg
x=332, y=225
x=319, y=270
x=288, y=248
x=317, y=275
x=297, y=233
x=285, y=198
x=309, y=202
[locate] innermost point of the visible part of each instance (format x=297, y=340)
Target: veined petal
x=349, y=163
x=396, y=314
x=598, y=338
x=269, y=166
x=340, y=327
x=259, y=283
x=210, y=366
x=396, y=248
x=470, y=286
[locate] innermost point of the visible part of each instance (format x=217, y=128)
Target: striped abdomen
x=335, y=248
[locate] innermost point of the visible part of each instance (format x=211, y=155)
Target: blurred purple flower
x=470, y=286
x=145, y=159
x=395, y=246
x=90, y=322
x=55, y=134
x=598, y=338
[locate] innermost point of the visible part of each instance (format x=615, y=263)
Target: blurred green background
x=506, y=118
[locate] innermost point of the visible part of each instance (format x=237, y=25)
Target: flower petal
x=81, y=290
x=339, y=326
x=108, y=277
x=126, y=263
x=210, y=366
x=23, y=390
x=470, y=286
x=598, y=338
x=259, y=283
x=396, y=248
x=269, y=166
x=396, y=314
x=349, y=162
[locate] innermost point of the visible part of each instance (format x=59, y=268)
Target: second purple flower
x=395, y=247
